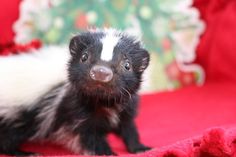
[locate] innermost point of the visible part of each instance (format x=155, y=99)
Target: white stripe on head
x=109, y=41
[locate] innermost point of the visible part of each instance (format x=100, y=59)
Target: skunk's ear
x=78, y=43
x=145, y=58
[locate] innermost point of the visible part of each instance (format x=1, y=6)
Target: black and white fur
x=66, y=106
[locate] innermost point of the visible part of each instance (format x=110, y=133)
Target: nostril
x=101, y=73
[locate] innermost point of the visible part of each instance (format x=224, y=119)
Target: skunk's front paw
x=99, y=151
x=138, y=148
x=108, y=152
x=104, y=152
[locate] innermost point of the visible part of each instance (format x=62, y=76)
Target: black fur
x=14, y=132
x=88, y=108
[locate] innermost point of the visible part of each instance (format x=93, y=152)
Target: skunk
x=83, y=95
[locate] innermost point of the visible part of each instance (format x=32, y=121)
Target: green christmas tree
x=156, y=20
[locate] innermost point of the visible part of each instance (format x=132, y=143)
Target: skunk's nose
x=101, y=73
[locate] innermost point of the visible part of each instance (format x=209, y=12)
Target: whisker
x=126, y=92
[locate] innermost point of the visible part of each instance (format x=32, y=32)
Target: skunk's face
x=106, y=63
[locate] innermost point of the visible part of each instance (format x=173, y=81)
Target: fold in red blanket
x=216, y=142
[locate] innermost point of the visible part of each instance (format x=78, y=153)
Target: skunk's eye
x=84, y=57
x=127, y=65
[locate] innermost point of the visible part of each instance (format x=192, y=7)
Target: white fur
x=10, y=114
x=47, y=114
x=24, y=78
x=71, y=141
x=113, y=116
x=109, y=41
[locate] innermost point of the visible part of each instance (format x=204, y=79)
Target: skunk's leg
x=10, y=145
x=129, y=134
x=16, y=130
x=93, y=140
x=95, y=144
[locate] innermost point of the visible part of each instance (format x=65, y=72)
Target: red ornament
x=166, y=44
x=187, y=78
x=173, y=71
x=13, y=48
x=175, y=74
x=81, y=21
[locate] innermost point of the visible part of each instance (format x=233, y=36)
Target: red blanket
x=216, y=51
x=191, y=122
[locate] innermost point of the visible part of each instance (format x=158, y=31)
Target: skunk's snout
x=101, y=73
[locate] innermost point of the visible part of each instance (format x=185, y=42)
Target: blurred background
x=170, y=30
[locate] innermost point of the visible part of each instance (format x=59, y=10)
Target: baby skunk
x=98, y=97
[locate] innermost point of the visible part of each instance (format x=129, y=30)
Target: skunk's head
x=106, y=62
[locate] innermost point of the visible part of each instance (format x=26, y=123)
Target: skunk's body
x=78, y=111
x=26, y=77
